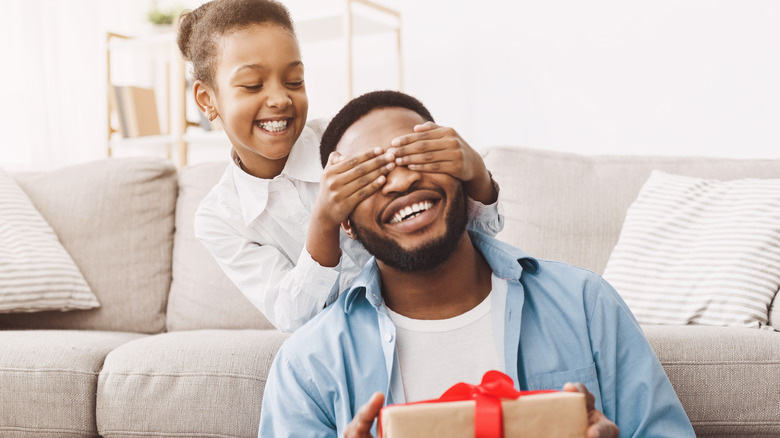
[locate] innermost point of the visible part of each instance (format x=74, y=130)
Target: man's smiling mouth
x=411, y=211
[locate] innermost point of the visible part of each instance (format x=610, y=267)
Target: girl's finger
x=348, y=161
x=436, y=167
x=363, y=187
x=429, y=156
x=369, y=169
x=353, y=168
x=428, y=132
x=427, y=126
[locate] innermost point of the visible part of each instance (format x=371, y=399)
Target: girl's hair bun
x=200, y=29
x=187, y=22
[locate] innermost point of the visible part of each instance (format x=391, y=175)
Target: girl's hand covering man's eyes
x=439, y=149
x=346, y=181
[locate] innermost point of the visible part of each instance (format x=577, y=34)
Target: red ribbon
x=495, y=387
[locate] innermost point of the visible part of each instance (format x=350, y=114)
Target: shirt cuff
x=316, y=280
x=480, y=212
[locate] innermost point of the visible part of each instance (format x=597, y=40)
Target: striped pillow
x=36, y=273
x=697, y=251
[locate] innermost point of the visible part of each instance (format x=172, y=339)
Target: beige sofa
x=175, y=350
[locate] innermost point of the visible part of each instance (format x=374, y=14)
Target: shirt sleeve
x=488, y=219
x=290, y=390
x=287, y=294
x=635, y=391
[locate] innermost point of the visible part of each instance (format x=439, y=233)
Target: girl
x=272, y=222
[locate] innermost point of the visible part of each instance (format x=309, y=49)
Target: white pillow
x=36, y=273
x=697, y=251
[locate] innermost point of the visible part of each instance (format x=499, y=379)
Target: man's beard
x=430, y=254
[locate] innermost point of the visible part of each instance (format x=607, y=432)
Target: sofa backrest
x=201, y=294
x=558, y=206
x=115, y=218
x=569, y=207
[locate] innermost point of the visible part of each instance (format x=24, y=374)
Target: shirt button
x=388, y=337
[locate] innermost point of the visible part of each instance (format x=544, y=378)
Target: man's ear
x=347, y=227
x=205, y=99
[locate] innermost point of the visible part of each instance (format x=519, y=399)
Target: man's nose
x=400, y=179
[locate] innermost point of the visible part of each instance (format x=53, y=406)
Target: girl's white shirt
x=256, y=231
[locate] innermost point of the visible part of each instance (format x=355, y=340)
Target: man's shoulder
x=549, y=278
x=495, y=249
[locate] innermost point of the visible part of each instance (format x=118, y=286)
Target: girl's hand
x=434, y=148
x=345, y=182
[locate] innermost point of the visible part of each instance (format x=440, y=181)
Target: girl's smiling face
x=260, y=95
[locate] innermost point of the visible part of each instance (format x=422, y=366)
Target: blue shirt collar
x=506, y=261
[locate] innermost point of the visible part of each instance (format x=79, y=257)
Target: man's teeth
x=274, y=125
x=410, y=211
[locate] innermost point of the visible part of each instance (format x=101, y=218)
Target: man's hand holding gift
x=360, y=426
x=599, y=426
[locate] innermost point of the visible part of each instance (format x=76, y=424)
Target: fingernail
x=395, y=142
x=377, y=151
x=389, y=156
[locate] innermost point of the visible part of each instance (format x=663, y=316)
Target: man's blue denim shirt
x=561, y=324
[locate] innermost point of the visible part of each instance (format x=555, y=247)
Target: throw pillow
x=698, y=251
x=36, y=273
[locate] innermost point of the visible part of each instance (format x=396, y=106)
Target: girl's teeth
x=274, y=126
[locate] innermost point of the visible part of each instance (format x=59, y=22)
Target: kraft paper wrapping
x=553, y=415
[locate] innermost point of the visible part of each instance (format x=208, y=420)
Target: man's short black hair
x=359, y=107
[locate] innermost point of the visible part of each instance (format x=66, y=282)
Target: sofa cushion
x=187, y=383
x=36, y=273
x=700, y=251
x=726, y=378
x=49, y=379
x=570, y=207
x=201, y=294
x=115, y=218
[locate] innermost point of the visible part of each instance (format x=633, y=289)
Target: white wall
x=655, y=77
x=682, y=77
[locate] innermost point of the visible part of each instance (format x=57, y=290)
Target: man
x=439, y=305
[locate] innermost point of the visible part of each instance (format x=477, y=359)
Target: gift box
x=493, y=409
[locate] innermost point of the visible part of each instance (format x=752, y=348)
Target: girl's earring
x=212, y=116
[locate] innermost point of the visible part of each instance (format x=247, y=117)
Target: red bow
x=495, y=386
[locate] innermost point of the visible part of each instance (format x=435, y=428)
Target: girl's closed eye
x=252, y=87
x=295, y=84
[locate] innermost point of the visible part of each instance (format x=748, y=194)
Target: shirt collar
x=302, y=164
x=505, y=260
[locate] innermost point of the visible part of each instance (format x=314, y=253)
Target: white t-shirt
x=433, y=355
